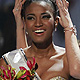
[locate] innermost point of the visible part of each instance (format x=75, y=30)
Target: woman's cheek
x=51, y=20
x=29, y=25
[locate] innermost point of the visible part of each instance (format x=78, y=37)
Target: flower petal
x=19, y=74
x=9, y=73
x=9, y=67
x=28, y=78
x=29, y=64
x=22, y=68
x=26, y=73
x=14, y=74
x=2, y=78
x=19, y=79
x=33, y=61
x=4, y=72
x=3, y=68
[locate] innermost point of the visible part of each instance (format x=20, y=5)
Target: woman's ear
x=24, y=23
x=56, y=22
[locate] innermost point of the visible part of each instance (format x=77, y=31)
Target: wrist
x=71, y=29
x=19, y=27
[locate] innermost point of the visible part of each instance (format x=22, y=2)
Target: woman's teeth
x=39, y=31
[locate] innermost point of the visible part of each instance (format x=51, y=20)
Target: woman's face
x=39, y=21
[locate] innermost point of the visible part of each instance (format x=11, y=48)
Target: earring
x=55, y=29
x=55, y=26
x=26, y=32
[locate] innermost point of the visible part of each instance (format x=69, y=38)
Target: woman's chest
x=52, y=68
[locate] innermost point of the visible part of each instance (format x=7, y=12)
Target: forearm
x=20, y=34
x=73, y=53
x=20, y=38
x=71, y=45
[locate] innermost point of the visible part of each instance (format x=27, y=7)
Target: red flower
x=30, y=65
x=28, y=78
x=23, y=74
x=26, y=73
x=19, y=79
x=7, y=73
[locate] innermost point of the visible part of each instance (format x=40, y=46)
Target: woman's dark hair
x=51, y=2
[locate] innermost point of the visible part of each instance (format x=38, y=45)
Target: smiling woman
x=38, y=17
x=38, y=22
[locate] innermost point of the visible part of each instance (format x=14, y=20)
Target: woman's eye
x=30, y=18
x=46, y=16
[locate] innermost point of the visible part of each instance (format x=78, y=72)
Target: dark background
x=8, y=26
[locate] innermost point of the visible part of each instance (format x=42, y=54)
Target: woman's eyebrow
x=30, y=14
x=43, y=13
x=34, y=14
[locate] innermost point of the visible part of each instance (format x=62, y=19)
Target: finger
x=23, y=2
x=59, y=3
x=67, y=3
x=18, y=4
x=17, y=9
x=64, y=3
x=16, y=1
x=62, y=9
x=63, y=12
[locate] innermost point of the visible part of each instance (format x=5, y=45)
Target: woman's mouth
x=39, y=32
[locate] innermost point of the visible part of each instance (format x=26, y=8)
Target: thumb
x=67, y=3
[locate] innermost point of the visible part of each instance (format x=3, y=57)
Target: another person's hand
x=64, y=18
x=17, y=12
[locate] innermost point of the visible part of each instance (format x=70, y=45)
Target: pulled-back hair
x=51, y=2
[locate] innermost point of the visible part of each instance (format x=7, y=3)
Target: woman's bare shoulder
x=2, y=62
x=59, y=49
x=59, y=52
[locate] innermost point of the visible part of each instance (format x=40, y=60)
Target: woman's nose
x=38, y=23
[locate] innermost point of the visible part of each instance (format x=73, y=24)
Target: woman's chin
x=39, y=42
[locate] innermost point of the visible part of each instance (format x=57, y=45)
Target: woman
x=39, y=22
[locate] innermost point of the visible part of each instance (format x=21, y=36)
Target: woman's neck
x=42, y=50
